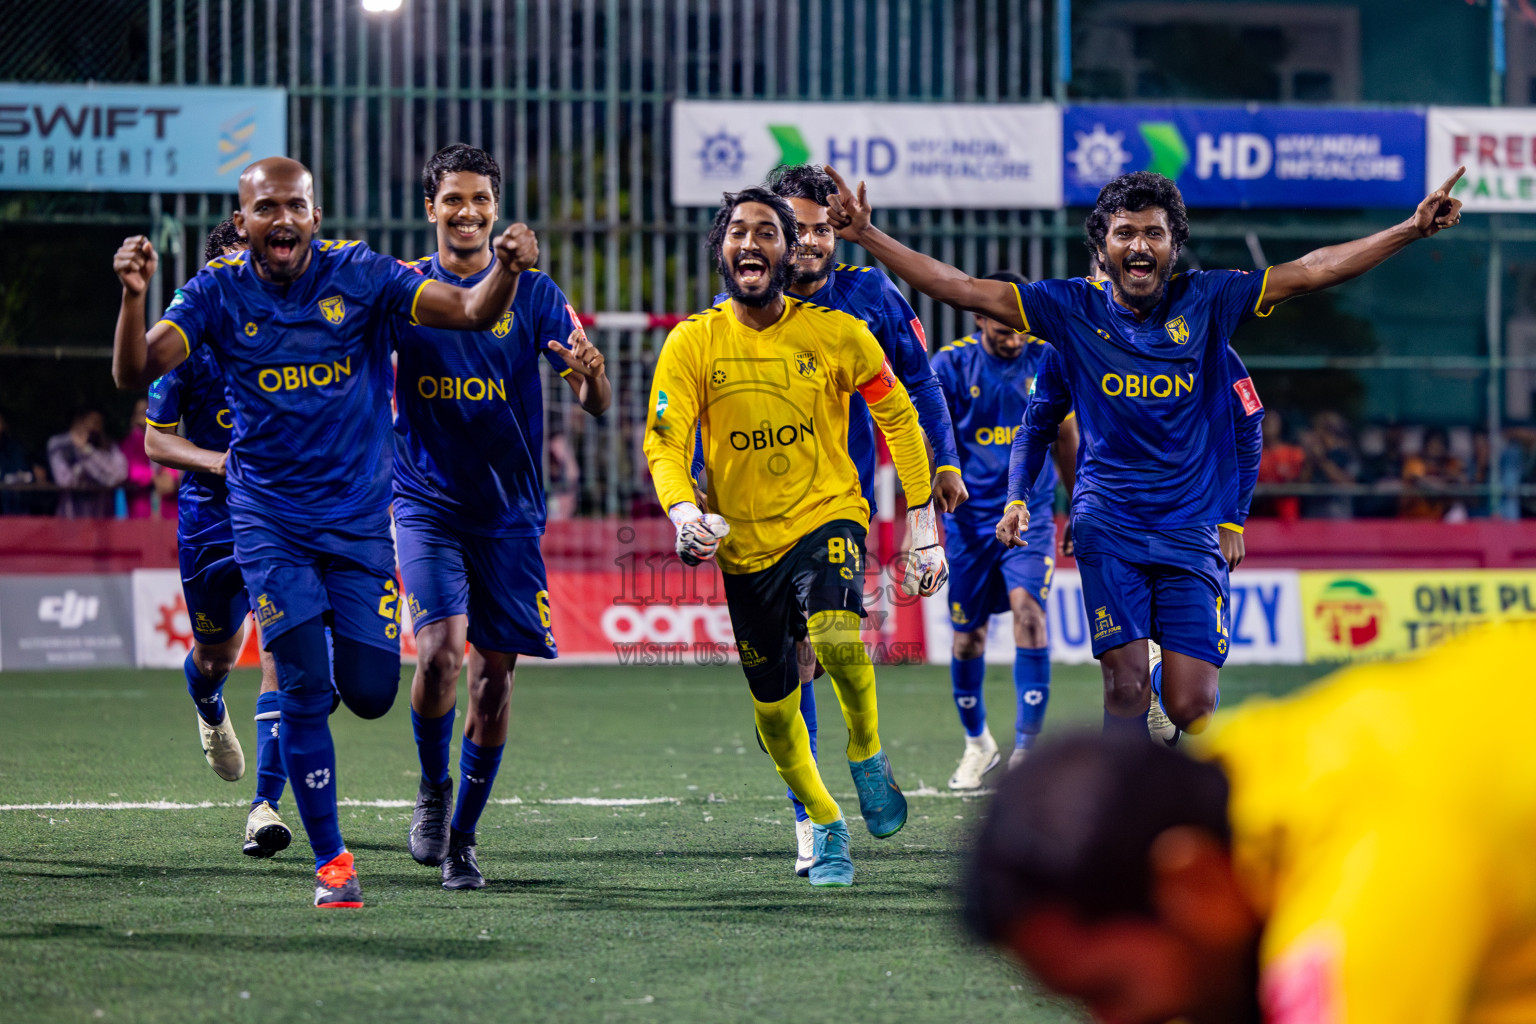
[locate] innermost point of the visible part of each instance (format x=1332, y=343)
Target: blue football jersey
x=193, y=395
x=1158, y=446
x=308, y=377
x=869, y=295
x=470, y=435
x=986, y=395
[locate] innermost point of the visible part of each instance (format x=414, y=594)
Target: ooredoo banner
x=1368, y=615
x=1265, y=628
x=1497, y=145
x=972, y=156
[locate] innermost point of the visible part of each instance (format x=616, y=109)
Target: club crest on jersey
x=1178, y=330
x=805, y=362
x=504, y=325
x=333, y=308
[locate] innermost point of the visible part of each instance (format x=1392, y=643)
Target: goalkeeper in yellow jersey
x=766, y=377
x=1361, y=853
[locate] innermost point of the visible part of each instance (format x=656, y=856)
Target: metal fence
x=571, y=96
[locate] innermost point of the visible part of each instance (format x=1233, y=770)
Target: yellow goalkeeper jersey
x=772, y=407
x=1385, y=825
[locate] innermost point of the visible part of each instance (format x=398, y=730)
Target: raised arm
x=139, y=355
x=478, y=308
x=1335, y=264
x=168, y=448
x=848, y=212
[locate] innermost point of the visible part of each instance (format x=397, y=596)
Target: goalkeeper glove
x=698, y=533
x=927, y=568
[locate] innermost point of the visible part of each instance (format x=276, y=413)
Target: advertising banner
x=131, y=138
x=1497, y=145
x=944, y=155
x=1250, y=156
x=1367, y=615
x=65, y=621
x=1266, y=622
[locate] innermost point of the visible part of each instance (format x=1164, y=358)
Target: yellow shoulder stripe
x=157, y=423
x=1018, y=298
x=179, y=331
x=1259, y=302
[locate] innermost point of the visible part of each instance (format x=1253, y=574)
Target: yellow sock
x=835, y=635
x=789, y=744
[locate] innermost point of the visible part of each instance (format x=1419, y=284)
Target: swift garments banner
x=1497, y=145
x=1354, y=616
x=928, y=155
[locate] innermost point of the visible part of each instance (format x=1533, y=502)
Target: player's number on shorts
x=839, y=550
x=389, y=604
x=542, y=600
x=1050, y=569
x=1221, y=626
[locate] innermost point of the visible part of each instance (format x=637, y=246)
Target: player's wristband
x=1013, y=503
x=1234, y=527
x=947, y=469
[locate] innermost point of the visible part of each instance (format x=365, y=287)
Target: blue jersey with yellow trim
x=192, y=395
x=308, y=377
x=870, y=296
x=986, y=395
x=1158, y=445
x=470, y=435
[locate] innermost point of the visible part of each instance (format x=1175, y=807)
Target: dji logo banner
x=65, y=621
x=70, y=611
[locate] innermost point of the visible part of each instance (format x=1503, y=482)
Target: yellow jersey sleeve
x=870, y=374
x=670, y=420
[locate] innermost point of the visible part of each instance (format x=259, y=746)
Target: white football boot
x=805, y=847
x=221, y=748
x=979, y=758
x=265, y=833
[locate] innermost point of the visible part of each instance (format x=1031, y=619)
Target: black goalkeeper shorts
x=823, y=572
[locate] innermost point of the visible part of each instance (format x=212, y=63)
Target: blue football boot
x=832, y=864
x=880, y=800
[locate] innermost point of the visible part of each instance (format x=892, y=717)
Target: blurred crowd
x=84, y=473
x=1329, y=470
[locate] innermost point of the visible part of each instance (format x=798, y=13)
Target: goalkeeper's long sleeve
x=897, y=419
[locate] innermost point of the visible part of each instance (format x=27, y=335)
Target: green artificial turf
x=676, y=911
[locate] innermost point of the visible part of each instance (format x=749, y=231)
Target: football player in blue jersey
x=1145, y=360
x=189, y=429
x=987, y=378
x=868, y=294
x=299, y=325
x=469, y=502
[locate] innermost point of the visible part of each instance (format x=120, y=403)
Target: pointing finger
x=1453, y=179
x=842, y=186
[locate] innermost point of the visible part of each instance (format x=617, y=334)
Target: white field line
x=567, y=801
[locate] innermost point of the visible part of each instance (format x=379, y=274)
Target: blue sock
x=270, y=776
x=477, y=773
x=309, y=756
x=1116, y=727
x=207, y=694
x=967, y=678
x=1032, y=683
x=1157, y=680
x=807, y=712
x=433, y=736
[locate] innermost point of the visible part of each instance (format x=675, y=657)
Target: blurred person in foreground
x=1359, y=852
x=1427, y=476
x=88, y=465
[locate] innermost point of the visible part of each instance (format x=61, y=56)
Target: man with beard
x=1145, y=361
x=297, y=325
x=765, y=379
x=1357, y=852
x=869, y=295
x=190, y=427
x=987, y=379
x=469, y=503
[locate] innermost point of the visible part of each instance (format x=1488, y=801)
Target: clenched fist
x=517, y=248
x=135, y=264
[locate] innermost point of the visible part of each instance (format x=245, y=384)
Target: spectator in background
x=1331, y=460
x=1381, y=468
x=88, y=465
x=564, y=487
x=17, y=467
x=1426, y=477
x=146, y=479
x=1281, y=463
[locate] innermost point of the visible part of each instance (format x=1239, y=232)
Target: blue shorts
x=1170, y=585
x=982, y=571
x=343, y=572
x=215, y=591
x=497, y=581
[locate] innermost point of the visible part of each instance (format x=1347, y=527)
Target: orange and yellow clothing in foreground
x=1385, y=826
x=772, y=406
